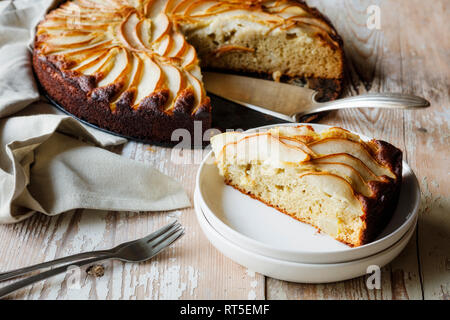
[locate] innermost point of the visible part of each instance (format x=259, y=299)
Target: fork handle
x=76, y=257
x=47, y=274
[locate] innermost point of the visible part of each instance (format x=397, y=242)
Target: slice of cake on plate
x=333, y=180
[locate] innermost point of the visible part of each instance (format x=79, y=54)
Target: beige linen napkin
x=44, y=166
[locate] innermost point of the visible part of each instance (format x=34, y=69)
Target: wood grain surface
x=409, y=53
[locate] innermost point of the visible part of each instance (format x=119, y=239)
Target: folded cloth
x=50, y=162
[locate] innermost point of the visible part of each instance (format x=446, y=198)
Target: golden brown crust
x=148, y=122
x=380, y=207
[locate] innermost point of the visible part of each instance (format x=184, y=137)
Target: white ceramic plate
x=295, y=271
x=266, y=231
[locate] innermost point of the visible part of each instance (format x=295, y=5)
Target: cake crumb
x=422, y=130
x=276, y=76
x=97, y=270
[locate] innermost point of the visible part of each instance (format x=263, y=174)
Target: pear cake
x=133, y=66
x=345, y=187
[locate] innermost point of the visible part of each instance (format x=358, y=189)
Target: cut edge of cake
x=310, y=55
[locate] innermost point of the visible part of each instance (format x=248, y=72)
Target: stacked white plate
x=272, y=243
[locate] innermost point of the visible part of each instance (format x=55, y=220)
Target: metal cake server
x=290, y=102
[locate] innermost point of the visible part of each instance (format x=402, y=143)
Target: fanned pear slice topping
x=344, y=171
x=356, y=149
x=261, y=147
x=333, y=185
x=341, y=157
x=351, y=161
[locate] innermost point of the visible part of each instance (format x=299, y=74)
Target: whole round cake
x=133, y=67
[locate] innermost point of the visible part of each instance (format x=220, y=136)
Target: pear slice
x=63, y=41
x=199, y=7
x=355, y=149
x=198, y=89
x=345, y=172
x=107, y=65
x=74, y=7
x=93, y=15
x=334, y=186
x=196, y=72
x=58, y=47
x=155, y=7
x=76, y=19
x=179, y=45
x=289, y=11
x=136, y=71
x=93, y=60
x=189, y=58
x=93, y=66
x=63, y=24
x=164, y=45
x=151, y=78
x=297, y=144
x=262, y=147
x=117, y=71
x=170, y=5
x=101, y=3
x=180, y=7
x=88, y=58
x=127, y=32
x=143, y=33
x=174, y=81
x=351, y=161
x=80, y=51
x=130, y=76
x=218, y=142
x=65, y=33
x=160, y=27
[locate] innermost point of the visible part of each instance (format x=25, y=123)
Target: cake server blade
x=273, y=98
x=290, y=102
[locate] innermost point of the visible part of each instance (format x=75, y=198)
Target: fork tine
x=146, y=238
x=168, y=241
x=161, y=231
x=153, y=242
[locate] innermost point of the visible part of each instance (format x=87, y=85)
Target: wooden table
x=409, y=53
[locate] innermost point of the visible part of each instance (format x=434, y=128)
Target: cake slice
x=333, y=180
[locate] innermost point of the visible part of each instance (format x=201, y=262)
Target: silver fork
x=12, y=274
x=132, y=251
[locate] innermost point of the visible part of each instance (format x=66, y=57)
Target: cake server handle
x=370, y=100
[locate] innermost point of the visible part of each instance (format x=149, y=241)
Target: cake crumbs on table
x=96, y=270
